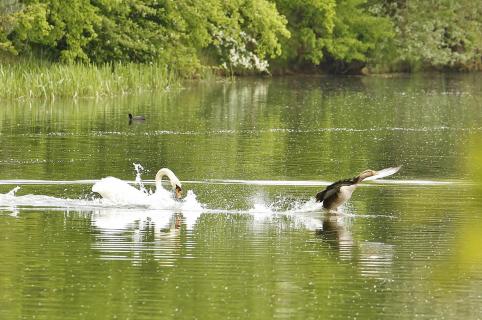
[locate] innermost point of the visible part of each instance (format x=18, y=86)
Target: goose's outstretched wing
x=384, y=173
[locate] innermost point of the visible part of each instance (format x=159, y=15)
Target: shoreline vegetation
x=86, y=48
x=35, y=79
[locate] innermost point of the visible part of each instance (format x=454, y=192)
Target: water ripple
x=252, y=131
x=305, y=183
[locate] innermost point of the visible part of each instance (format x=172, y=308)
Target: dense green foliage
x=178, y=32
x=443, y=33
x=243, y=35
x=336, y=32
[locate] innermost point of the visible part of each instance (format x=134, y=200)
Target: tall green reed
x=30, y=79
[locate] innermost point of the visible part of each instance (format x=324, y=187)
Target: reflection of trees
x=274, y=129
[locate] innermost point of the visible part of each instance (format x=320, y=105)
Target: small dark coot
x=136, y=118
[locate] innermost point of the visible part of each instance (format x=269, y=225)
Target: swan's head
x=365, y=174
x=175, y=183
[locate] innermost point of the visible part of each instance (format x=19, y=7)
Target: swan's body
x=341, y=191
x=119, y=191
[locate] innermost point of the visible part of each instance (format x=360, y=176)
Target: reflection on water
x=138, y=236
x=254, y=244
x=374, y=259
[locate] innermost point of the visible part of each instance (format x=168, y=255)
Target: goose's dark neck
x=357, y=179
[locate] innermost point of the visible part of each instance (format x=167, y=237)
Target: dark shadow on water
x=372, y=258
x=334, y=233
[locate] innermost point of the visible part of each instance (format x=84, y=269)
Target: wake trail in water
x=112, y=216
x=10, y=199
x=122, y=195
x=301, y=183
x=126, y=196
x=258, y=207
x=148, y=201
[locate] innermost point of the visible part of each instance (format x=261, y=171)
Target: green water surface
x=254, y=152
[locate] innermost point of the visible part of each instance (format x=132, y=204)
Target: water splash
x=138, y=181
x=301, y=213
x=120, y=195
x=284, y=205
x=13, y=191
x=9, y=200
x=131, y=198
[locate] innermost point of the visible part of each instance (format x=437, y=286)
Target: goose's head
x=178, y=190
x=130, y=116
x=365, y=174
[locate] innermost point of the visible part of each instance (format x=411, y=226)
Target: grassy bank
x=27, y=80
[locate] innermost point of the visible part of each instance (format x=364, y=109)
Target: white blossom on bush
x=235, y=54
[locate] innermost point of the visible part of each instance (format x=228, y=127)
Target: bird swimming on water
x=336, y=194
x=136, y=118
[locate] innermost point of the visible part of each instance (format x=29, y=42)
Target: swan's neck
x=170, y=175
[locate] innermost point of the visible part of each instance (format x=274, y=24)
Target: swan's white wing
x=119, y=191
x=384, y=173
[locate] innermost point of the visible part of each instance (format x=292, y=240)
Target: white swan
x=119, y=191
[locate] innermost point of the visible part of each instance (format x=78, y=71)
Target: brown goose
x=336, y=194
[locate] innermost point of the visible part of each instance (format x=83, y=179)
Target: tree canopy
x=240, y=35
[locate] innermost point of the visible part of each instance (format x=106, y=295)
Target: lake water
x=248, y=241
